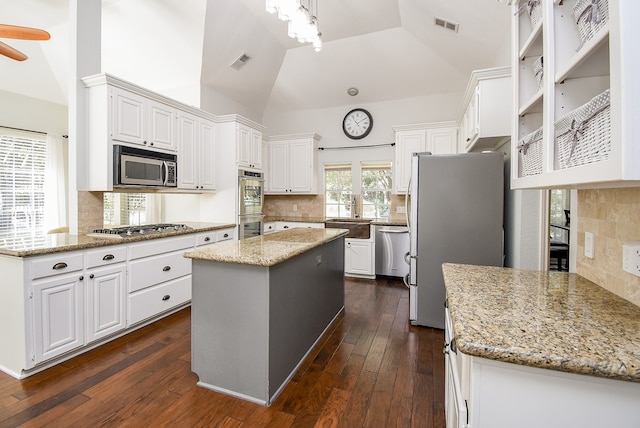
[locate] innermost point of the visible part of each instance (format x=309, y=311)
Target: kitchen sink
x=358, y=228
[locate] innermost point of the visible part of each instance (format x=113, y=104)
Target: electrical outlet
x=588, y=244
x=631, y=257
x=295, y=207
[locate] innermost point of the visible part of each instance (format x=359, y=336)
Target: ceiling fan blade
x=26, y=33
x=12, y=53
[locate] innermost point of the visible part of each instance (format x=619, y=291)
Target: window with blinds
x=122, y=209
x=22, y=171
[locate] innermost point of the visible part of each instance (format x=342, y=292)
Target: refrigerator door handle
x=406, y=205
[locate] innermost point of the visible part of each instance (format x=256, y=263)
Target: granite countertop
x=267, y=250
x=551, y=320
x=392, y=222
x=59, y=242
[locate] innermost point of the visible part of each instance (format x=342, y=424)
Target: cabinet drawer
x=155, y=270
x=159, y=246
x=55, y=265
x=155, y=300
x=224, y=235
x=106, y=256
x=206, y=238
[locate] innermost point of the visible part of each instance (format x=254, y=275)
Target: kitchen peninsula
x=538, y=349
x=259, y=305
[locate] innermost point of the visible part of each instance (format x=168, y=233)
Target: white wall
x=17, y=111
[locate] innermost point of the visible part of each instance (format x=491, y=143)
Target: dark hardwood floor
x=372, y=369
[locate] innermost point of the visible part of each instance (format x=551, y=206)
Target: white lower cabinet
x=105, y=301
x=484, y=393
x=159, y=277
x=359, y=257
x=58, y=310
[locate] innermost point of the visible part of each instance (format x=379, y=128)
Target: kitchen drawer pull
x=166, y=297
x=453, y=346
x=207, y=239
x=285, y=227
x=166, y=269
x=108, y=257
x=59, y=266
x=226, y=235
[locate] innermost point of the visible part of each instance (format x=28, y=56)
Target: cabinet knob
x=207, y=239
x=81, y=278
x=285, y=227
x=166, y=297
x=91, y=276
x=226, y=235
x=166, y=269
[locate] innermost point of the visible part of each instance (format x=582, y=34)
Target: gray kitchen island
x=259, y=306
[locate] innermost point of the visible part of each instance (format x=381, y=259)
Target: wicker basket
x=538, y=71
x=530, y=153
x=534, y=10
x=584, y=135
x=590, y=15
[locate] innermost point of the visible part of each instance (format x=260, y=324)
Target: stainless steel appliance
x=392, y=243
x=134, y=167
x=131, y=231
x=251, y=197
x=455, y=215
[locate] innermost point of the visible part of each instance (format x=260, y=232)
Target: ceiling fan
x=15, y=32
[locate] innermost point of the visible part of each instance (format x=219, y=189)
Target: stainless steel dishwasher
x=392, y=242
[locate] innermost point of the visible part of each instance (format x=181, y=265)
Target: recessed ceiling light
x=353, y=91
x=240, y=61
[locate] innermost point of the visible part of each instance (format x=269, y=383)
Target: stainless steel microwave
x=133, y=167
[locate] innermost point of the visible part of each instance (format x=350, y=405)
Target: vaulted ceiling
x=388, y=49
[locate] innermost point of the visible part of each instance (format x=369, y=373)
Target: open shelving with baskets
x=574, y=67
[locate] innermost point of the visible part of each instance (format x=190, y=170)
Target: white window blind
x=22, y=171
x=338, y=190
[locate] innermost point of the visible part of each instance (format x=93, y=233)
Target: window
x=22, y=171
x=125, y=209
x=338, y=190
x=376, y=190
x=372, y=201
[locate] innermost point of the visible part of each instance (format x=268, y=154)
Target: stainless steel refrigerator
x=455, y=214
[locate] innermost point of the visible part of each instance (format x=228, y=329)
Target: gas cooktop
x=142, y=230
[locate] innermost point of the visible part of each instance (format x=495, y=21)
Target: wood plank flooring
x=372, y=369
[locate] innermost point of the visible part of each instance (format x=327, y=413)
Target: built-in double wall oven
x=251, y=197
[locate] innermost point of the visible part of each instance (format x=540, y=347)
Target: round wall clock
x=357, y=123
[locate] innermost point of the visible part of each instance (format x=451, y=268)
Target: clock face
x=357, y=124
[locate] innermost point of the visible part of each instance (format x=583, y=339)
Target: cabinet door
x=358, y=257
x=407, y=142
x=441, y=141
x=300, y=166
x=161, y=126
x=279, y=159
x=105, y=301
x=256, y=149
x=188, y=159
x=129, y=118
x=207, y=157
x=58, y=315
x=243, y=145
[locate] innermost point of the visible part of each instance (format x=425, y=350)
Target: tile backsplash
x=312, y=206
x=613, y=216
x=90, y=211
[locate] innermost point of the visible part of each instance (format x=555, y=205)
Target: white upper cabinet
x=436, y=138
x=487, y=109
x=143, y=121
x=292, y=164
x=575, y=94
x=249, y=147
x=196, y=160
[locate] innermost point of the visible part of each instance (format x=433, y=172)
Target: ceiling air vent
x=445, y=24
x=241, y=61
